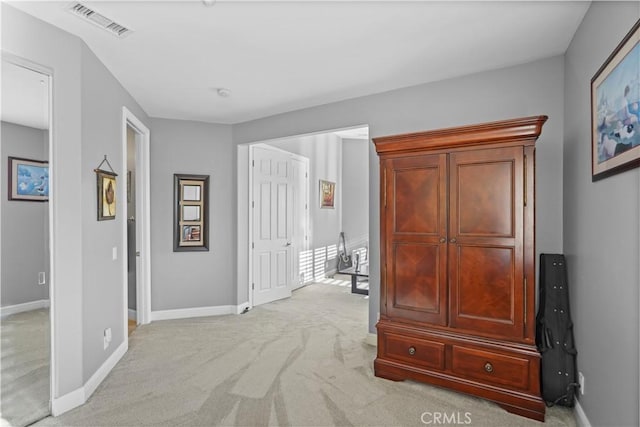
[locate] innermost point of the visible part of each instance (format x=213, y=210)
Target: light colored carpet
x=24, y=394
x=296, y=362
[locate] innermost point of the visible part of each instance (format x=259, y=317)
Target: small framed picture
x=190, y=213
x=28, y=180
x=106, y=182
x=615, y=110
x=327, y=194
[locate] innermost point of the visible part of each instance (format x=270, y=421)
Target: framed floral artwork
x=327, y=194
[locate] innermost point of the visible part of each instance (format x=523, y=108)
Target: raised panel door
x=485, y=241
x=415, y=223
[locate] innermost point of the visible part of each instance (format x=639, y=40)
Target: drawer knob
x=412, y=351
x=488, y=367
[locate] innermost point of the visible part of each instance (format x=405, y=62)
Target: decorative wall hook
x=105, y=170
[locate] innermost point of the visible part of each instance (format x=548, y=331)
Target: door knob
x=443, y=239
x=288, y=244
x=453, y=240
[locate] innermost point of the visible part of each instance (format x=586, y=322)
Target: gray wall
x=324, y=152
x=192, y=279
x=601, y=234
x=87, y=291
x=25, y=237
x=30, y=38
x=355, y=192
x=525, y=90
x=103, y=294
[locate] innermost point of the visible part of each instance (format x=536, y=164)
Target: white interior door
x=301, y=259
x=272, y=225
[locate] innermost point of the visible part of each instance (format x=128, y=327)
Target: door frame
x=243, y=224
x=143, y=222
x=305, y=160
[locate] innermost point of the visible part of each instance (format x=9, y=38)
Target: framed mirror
x=25, y=294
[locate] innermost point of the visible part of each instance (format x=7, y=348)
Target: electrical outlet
x=41, y=278
x=107, y=337
x=581, y=382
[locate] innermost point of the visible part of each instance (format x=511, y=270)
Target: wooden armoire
x=457, y=291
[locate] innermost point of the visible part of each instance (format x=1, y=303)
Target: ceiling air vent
x=98, y=19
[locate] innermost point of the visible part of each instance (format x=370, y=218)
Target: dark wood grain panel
x=416, y=200
x=485, y=286
x=485, y=199
x=417, y=273
x=486, y=290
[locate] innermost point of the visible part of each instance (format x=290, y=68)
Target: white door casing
x=300, y=257
x=142, y=217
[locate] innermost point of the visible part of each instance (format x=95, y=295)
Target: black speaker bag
x=554, y=333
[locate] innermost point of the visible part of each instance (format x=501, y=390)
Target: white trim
x=62, y=404
x=133, y=315
x=184, y=313
x=241, y=307
x=79, y=396
x=371, y=339
x=580, y=416
x=143, y=215
x=8, y=310
x=98, y=376
x=243, y=267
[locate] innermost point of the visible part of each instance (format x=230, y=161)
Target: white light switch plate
x=115, y=253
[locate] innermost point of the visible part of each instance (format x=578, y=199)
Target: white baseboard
x=62, y=404
x=240, y=308
x=580, y=416
x=133, y=315
x=98, y=376
x=78, y=397
x=20, y=308
x=184, y=313
x=371, y=339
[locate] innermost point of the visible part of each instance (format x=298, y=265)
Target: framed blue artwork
x=615, y=110
x=28, y=180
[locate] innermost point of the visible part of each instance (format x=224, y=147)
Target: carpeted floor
x=24, y=394
x=296, y=362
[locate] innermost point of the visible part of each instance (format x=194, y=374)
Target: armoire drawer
x=489, y=367
x=417, y=351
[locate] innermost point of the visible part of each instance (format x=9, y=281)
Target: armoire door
x=486, y=199
x=415, y=234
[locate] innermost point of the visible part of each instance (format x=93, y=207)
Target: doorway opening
x=340, y=157
x=136, y=229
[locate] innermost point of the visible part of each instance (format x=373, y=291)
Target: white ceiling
x=278, y=56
